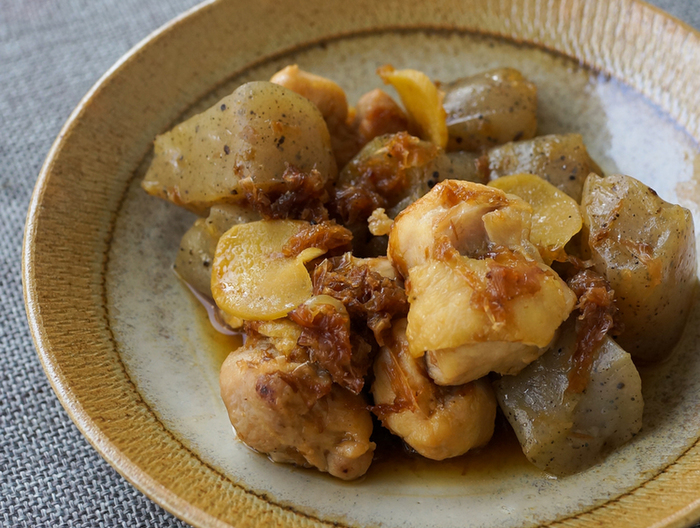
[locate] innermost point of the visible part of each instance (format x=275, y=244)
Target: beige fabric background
x=51, y=53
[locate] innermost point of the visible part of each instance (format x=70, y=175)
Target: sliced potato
x=562, y=431
x=645, y=247
x=256, y=132
x=556, y=217
x=423, y=102
x=198, y=244
x=251, y=277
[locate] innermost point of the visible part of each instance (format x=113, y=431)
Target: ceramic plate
x=130, y=352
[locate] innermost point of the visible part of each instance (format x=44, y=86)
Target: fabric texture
x=51, y=53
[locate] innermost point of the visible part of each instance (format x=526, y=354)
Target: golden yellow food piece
x=251, y=277
x=423, y=102
x=327, y=95
x=556, y=217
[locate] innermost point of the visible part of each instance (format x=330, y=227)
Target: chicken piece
x=562, y=160
x=481, y=298
x=489, y=109
x=283, y=405
x=438, y=422
x=255, y=134
x=563, y=431
x=645, y=248
x=377, y=114
x=331, y=100
x=328, y=96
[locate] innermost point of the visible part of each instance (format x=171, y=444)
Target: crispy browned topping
x=596, y=305
x=507, y=278
x=453, y=192
x=405, y=397
x=381, y=180
x=326, y=334
x=326, y=236
x=302, y=196
x=366, y=294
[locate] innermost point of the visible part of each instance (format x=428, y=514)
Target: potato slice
x=555, y=216
x=423, y=102
x=252, y=278
x=198, y=245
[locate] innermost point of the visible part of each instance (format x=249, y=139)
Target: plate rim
x=134, y=473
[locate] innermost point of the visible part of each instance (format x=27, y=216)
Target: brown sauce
x=393, y=459
x=394, y=462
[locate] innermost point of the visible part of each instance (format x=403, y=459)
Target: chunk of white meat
x=438, y=422
x=563, y=432
x=286, y=407
x=481, y=299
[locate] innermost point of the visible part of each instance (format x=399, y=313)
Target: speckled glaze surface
x=131, y=354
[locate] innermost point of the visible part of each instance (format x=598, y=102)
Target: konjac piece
x=258, y=132
x=645, y=248
x=489, y=109
x=562, y=431
x=562, y=160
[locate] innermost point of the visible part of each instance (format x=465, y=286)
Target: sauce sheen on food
x=422, y=276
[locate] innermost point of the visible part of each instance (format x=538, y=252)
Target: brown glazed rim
x=83, y=182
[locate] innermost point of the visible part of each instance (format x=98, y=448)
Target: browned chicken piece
x=562, y=160
x=377, y=114
x=331, y=100
x=283, y=405
x=438, y=422
x=645, y=248
x=481, y=298
x=489, y=109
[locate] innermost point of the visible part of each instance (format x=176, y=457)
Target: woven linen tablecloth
x=51, y=53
